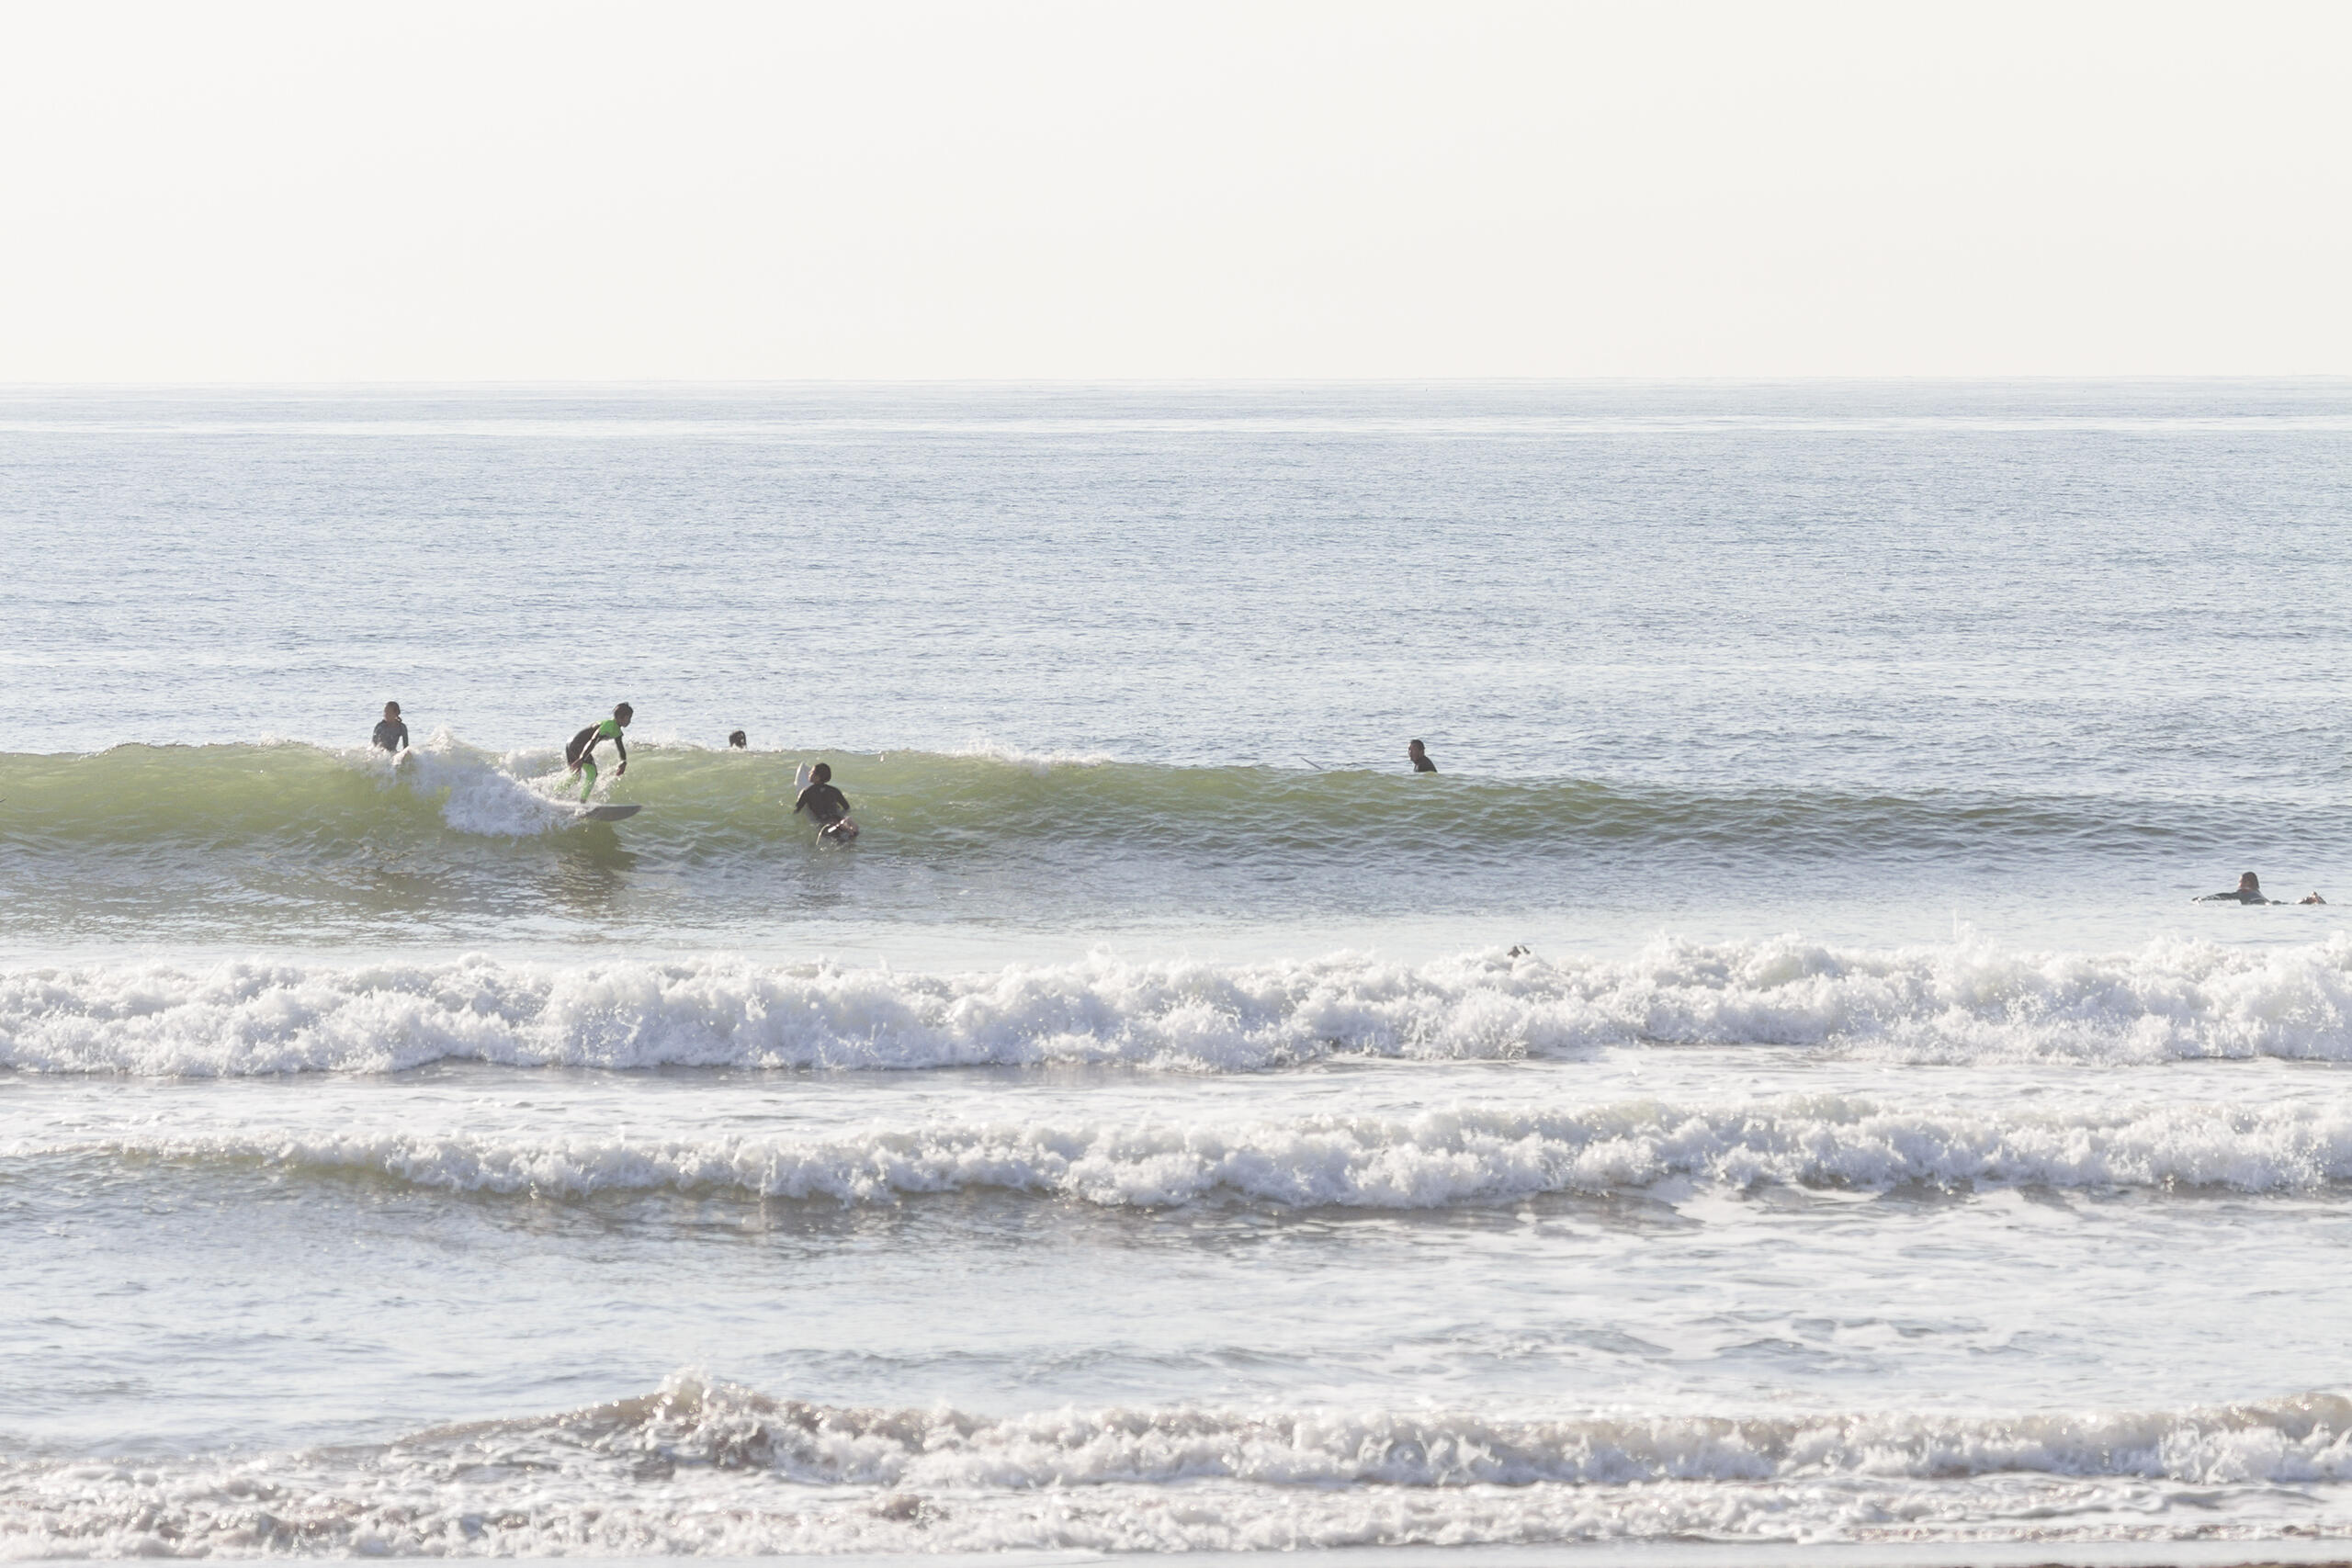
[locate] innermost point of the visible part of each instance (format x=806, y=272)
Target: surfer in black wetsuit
x=2248, y=891
x=391, y=733
x=820, y=799
x=1420, y=758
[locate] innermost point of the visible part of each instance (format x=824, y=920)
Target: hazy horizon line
x=1912, y=378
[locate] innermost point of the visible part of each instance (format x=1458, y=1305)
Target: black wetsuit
x=391, y=734
x=1421, y=764
x=823, y=802
x=2238, y=895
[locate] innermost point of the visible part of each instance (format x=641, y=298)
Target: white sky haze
x=719, y=191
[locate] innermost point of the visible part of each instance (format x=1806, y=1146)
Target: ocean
x=1773, y=1084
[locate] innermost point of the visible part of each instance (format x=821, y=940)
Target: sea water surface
x=1772, y=1085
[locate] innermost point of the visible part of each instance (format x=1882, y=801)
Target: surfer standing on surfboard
x=580, y=752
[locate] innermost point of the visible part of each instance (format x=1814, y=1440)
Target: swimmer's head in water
x=821, y=774
x=735, y=738
x=2249, y=882
x=391, y=710
x=623, y=714
x=1413, y=747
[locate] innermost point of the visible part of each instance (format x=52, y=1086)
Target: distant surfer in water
x=391, y=733
x=1421, y=757
x=2249, y=891
x=581, y=753
x=826, y=806
x=736, y=741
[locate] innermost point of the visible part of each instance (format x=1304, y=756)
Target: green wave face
x=288, y=840
x=174, y=796
x=293, y=795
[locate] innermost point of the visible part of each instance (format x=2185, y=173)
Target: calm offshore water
x=1145, y=1136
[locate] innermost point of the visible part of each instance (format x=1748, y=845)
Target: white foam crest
x=1969, y=1003
x=710, y=1468
x=980, y=749
x=512, y=796
x=1426, y=1160
x=2305, y=1439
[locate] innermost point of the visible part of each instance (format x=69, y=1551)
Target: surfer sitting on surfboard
x=580, y=752
x=826, y=805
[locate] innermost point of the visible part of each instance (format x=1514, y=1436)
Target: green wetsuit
x=582, y=752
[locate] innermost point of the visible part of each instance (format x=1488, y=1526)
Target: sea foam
x=703, y=1467
x=1440, y=1157
x=1967, y=1002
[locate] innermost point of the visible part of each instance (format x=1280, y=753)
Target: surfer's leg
x=588, y=784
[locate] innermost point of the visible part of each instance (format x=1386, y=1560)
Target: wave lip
x=703, y=1466
x=1470, y=1154
x=1963, y=1003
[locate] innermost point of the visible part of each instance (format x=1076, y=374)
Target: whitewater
x=1774, y=1086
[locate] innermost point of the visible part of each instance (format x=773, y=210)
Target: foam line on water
x=1968, y=1002
x=1464, y=1153
x=704, y=1467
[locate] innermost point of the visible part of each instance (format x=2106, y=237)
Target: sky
x=237, y=192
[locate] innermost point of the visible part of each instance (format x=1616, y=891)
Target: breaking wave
x=1961, y=1003
x=704, y=1467
x=1458, y=1155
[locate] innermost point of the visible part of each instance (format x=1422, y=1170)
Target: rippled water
x=1771, y=1085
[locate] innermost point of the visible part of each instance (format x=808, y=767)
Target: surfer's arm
x=800, y=800
x=619, y=747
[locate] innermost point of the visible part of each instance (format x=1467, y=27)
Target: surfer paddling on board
x=826, y=806
x=2248, y=891
x=580, y=753
x=391, y=734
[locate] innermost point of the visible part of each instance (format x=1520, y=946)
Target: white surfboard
x=607, y=813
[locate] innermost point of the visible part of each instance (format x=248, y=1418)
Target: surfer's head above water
x=1419, y=757
x=821, y=774
x=623, y=714
x=735, y=740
